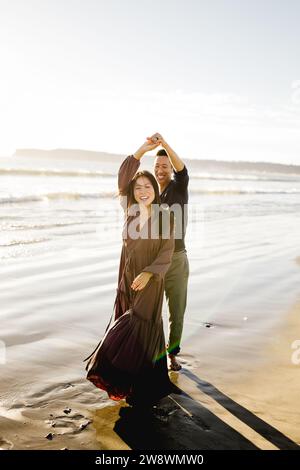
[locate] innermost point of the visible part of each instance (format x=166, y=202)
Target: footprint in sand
x=187, y=361
x=4, y=444
x=53, y=389
x=69, y=424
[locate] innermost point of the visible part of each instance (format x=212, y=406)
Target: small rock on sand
x=84, y=425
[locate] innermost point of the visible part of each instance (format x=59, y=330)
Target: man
x=174, y=191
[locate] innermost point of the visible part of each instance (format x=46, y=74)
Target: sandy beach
x=59, y=264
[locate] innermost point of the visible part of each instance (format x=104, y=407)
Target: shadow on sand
x=181, y=423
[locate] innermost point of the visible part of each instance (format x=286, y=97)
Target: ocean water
x=47, y=206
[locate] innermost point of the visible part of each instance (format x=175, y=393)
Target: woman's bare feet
x=173, y=364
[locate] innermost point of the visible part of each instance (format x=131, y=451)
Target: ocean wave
x=8, y=227
x=244, y=191
x=245, y=177
x=57, y=195
x=113, y=194
x=53, y=172
x=97, y=173
x=23, y=242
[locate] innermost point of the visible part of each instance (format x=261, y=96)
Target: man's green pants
x=176, y=281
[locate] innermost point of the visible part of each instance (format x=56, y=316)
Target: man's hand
x=141, y=281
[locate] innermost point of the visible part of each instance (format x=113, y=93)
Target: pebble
x=84, y=425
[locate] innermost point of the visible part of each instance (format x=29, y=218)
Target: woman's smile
x=144, y=191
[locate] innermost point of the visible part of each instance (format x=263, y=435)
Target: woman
x=130, y=361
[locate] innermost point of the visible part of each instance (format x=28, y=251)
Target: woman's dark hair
x=130, y=189
x=131, y=202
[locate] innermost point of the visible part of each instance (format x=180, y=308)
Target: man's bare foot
x=173, y=364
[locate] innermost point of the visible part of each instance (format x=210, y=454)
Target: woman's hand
x=141, y=281
x=158, y=138
x=146, y=147
x=149, y=145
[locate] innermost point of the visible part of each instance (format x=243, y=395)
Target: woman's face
x=143, y=191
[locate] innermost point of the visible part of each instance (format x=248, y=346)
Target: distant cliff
x=72, y=154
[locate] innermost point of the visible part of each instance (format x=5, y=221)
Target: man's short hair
x=162, y=153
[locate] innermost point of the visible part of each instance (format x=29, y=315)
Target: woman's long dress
x=130, y=362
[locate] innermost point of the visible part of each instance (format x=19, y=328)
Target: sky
x=219, y=79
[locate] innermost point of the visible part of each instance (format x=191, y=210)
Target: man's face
x=163, y=170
